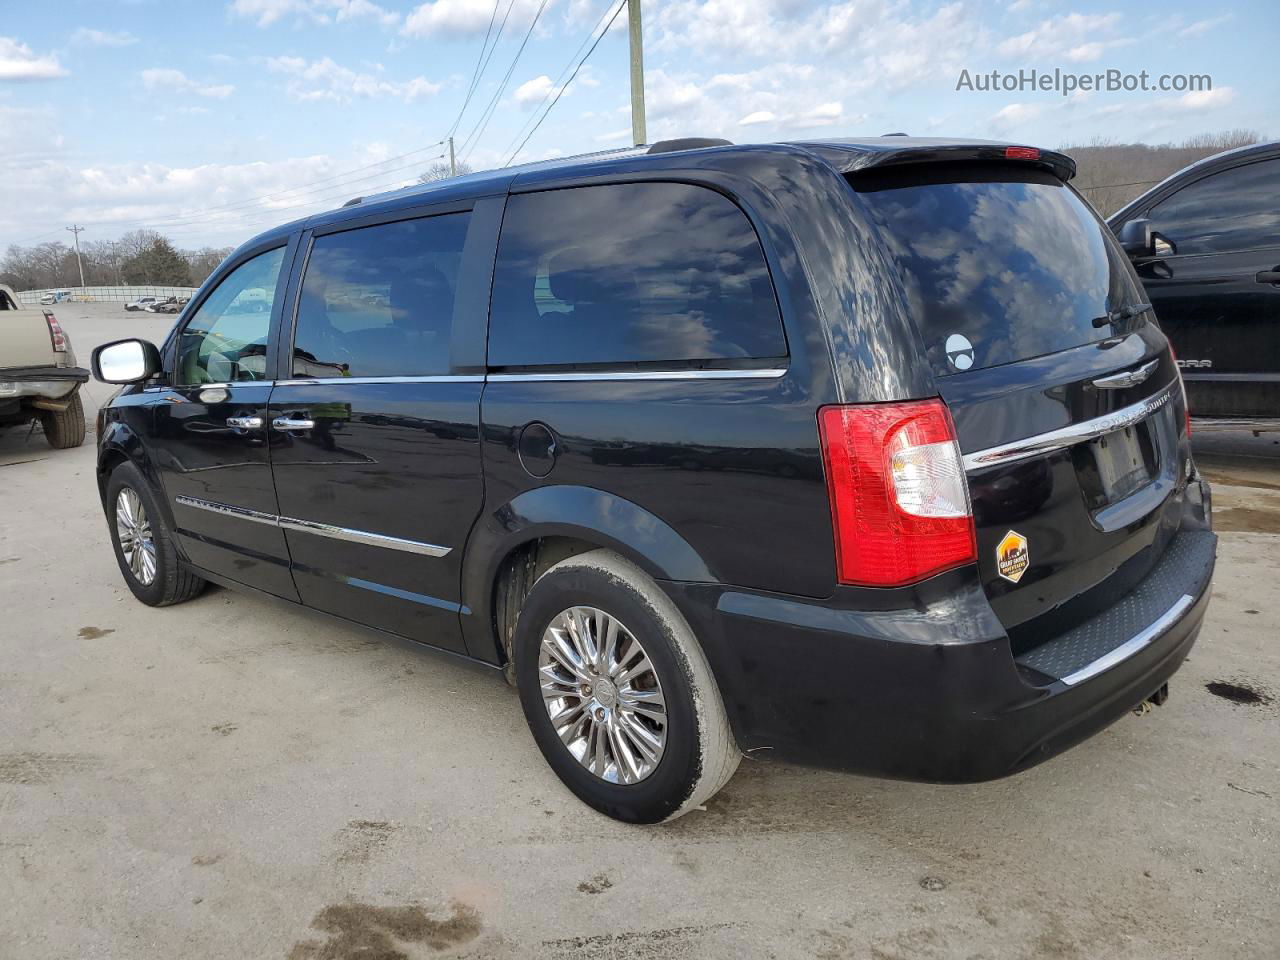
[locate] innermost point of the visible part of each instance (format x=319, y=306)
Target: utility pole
x=453, y=166
x=115, y=263
x=638, y=133
x=80, y=263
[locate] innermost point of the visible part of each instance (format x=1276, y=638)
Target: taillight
x=56, y=336
x=899, y=497
x=1021, y=153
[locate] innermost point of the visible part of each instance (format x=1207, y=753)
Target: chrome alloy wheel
x=133, y=530
x=602, y=694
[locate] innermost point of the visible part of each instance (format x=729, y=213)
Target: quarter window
x=379, y=301
x=630, y=273
x=226, y=338
x=1237, y=209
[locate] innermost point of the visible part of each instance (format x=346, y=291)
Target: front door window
x=225, y=341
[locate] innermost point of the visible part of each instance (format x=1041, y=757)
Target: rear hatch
x=1065, y=396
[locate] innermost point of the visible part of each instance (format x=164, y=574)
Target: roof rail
x=353, y=201
x=687, y=143
x=895, y=134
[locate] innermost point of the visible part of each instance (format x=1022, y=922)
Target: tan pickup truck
x=39, y=379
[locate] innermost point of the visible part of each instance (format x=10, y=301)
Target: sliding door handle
x=245, y=423
x=1268, y=276
x=289, y=423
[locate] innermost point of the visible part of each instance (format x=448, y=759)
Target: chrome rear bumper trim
x=1133, y=645
x=320, y=529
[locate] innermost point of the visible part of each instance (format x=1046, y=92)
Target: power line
x=475, y=135
x=560, y=92
x=560, y=76
x=475, y=74
x=1134, y=183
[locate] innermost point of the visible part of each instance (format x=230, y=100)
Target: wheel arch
x=513, y=545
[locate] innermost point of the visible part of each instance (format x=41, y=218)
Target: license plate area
x=1118, y=464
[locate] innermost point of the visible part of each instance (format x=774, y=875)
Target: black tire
x=64, y=428
x=700, y=753
x=173, y=583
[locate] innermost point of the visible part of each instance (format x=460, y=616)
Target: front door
x=377, y=466
x=1215, y=286
x=210, y=441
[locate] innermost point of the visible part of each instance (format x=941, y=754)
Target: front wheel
x=143, y=543
x=618, y=693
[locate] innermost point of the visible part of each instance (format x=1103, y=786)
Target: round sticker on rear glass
x=959, y=351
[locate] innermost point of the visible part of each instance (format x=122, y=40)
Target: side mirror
x=126, y=361
x=1135, y=238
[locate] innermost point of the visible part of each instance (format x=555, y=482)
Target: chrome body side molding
x=319, y=529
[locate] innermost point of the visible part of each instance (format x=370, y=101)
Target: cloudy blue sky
x=211, y=120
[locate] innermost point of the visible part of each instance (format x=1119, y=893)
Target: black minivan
x=859, y=453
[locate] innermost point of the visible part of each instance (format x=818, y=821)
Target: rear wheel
x=64, y=428
x=617, y=692
x=143, y=542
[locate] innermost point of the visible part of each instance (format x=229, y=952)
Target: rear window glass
x=637, y=273
x=998, y=264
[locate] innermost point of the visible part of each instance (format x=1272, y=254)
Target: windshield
x=999, y=264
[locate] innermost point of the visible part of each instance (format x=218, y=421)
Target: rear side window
x=378, y=301
x=1237, y=209
x=638, y=273
x=999, y=264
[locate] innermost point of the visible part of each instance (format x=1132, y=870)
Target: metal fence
x=105, y=294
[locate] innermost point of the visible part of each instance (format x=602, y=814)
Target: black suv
x=1206, y=243
x=859, y=453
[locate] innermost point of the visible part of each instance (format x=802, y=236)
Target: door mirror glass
x=126, y=361
x=1135, y=238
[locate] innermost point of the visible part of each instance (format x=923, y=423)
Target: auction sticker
x=1012, y=556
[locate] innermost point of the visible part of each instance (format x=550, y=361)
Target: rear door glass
x=638, y=273
x=999, y=264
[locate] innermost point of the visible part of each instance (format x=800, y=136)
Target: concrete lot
x=232, y=779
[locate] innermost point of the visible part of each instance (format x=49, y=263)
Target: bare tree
x=440, y=171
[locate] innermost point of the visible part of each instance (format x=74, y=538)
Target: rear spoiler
x=1059, y=164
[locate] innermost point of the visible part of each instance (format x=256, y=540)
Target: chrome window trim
x=1070, y=435
x=771, y=373
x=320, y=529
x=338, y=381
x=1133, y=645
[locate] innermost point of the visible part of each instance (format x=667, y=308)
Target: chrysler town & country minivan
x=858, y=453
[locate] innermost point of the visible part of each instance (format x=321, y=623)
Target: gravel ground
x=236, y=778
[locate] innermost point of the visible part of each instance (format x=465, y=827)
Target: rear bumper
x=931, y=693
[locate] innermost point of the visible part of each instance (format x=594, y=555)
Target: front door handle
x=1268, y=276
x=289, y=423
x=245, y=423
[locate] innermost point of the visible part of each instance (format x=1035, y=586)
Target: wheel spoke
x=588, y=666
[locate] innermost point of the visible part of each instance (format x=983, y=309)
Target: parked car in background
x=39, y=379
x=859, y=453
x=167, y=305
x=1206, y=244
x=55, y=296
x=140, y=304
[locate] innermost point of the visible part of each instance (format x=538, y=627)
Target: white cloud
x=267, y=12
x=1077, y=37
x=1203, y=26
x=19, y=62
x=88, y=37
x=326, y=80
x=175, y=81
x=534, y=91
x=1201, y=99
x=462, y=17
x=760, y=116
x=1015, y=115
